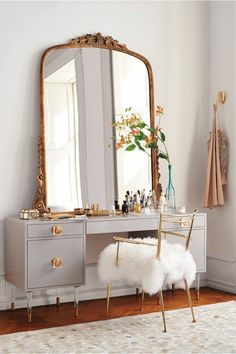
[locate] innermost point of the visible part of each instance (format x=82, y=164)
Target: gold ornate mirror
x=85, y=86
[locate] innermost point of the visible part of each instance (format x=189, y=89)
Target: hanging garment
x=216, y=166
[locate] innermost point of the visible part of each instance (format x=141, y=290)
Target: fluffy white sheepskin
x=138, y=265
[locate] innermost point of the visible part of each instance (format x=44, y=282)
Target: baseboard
x=221, y=285
x=222, y=259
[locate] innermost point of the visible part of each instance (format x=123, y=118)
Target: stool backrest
x=167, y=223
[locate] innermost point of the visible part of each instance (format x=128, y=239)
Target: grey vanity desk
x=45, y=254
x=51, y=254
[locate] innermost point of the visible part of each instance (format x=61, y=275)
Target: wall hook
x=221, y=97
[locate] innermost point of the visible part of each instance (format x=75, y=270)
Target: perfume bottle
x=137, y=205
x=125, y=208
x=117, y=207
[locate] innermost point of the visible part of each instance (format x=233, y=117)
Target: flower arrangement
x=133, y=133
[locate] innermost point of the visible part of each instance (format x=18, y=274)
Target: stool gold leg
x=108, y=297
x=189, y=300
x=197, y=286
x=162, y=310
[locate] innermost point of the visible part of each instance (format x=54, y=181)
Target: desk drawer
x=56, y=229
x=40, y=270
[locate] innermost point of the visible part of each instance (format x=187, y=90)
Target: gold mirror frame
x=88, y=41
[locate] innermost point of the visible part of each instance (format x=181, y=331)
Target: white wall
x=222, y=76
x=172, y=35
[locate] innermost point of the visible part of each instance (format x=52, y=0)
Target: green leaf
x=139, y=145
x=140, y=136
x=131, y=147
x=162, y=156
x=152, y=145
x=133, y=126
x=141, y=125
x=162, y=135
x=129, y=109
x=151, y=130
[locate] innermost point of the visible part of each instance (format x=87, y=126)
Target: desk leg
x=137, y=291
x=29, y=305
x=198, y=286
x=76, y=302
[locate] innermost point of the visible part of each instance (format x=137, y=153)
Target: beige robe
x=216, y=166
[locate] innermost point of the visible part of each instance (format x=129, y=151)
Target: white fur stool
x=151, y=263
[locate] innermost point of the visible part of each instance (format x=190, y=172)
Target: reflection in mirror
x=131, y=89
x=85, y=91
x=61, y=138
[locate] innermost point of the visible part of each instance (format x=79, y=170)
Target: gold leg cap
x=30, y=317
x=76, y=312
x=12, y=306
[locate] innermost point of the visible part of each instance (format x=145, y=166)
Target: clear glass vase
x=170, y=193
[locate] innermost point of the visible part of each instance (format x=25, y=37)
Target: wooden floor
x=95, y=310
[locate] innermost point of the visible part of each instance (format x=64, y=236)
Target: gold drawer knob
x=56, y=262
x=57, y=230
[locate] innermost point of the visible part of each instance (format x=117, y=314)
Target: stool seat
x=139, y=266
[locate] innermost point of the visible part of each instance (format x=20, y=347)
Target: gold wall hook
x=221, y=97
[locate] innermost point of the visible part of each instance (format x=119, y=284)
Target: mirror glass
x=84, y=91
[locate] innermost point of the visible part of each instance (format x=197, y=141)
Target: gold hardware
x=142, y=300
x=56, y=262
x=57, y=230
x=183, y=223
x=76, y=310
x=221, y=97
x=12, y=306
x=29, y=315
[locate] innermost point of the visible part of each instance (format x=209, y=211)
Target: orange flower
x=135, y=132
x=159, y=110
x=119, y=145
x=148, y=139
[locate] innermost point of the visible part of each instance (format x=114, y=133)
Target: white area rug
x=214, y=332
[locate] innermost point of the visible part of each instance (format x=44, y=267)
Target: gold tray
x=97, y=212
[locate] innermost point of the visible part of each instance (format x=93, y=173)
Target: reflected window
x=61, y=139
